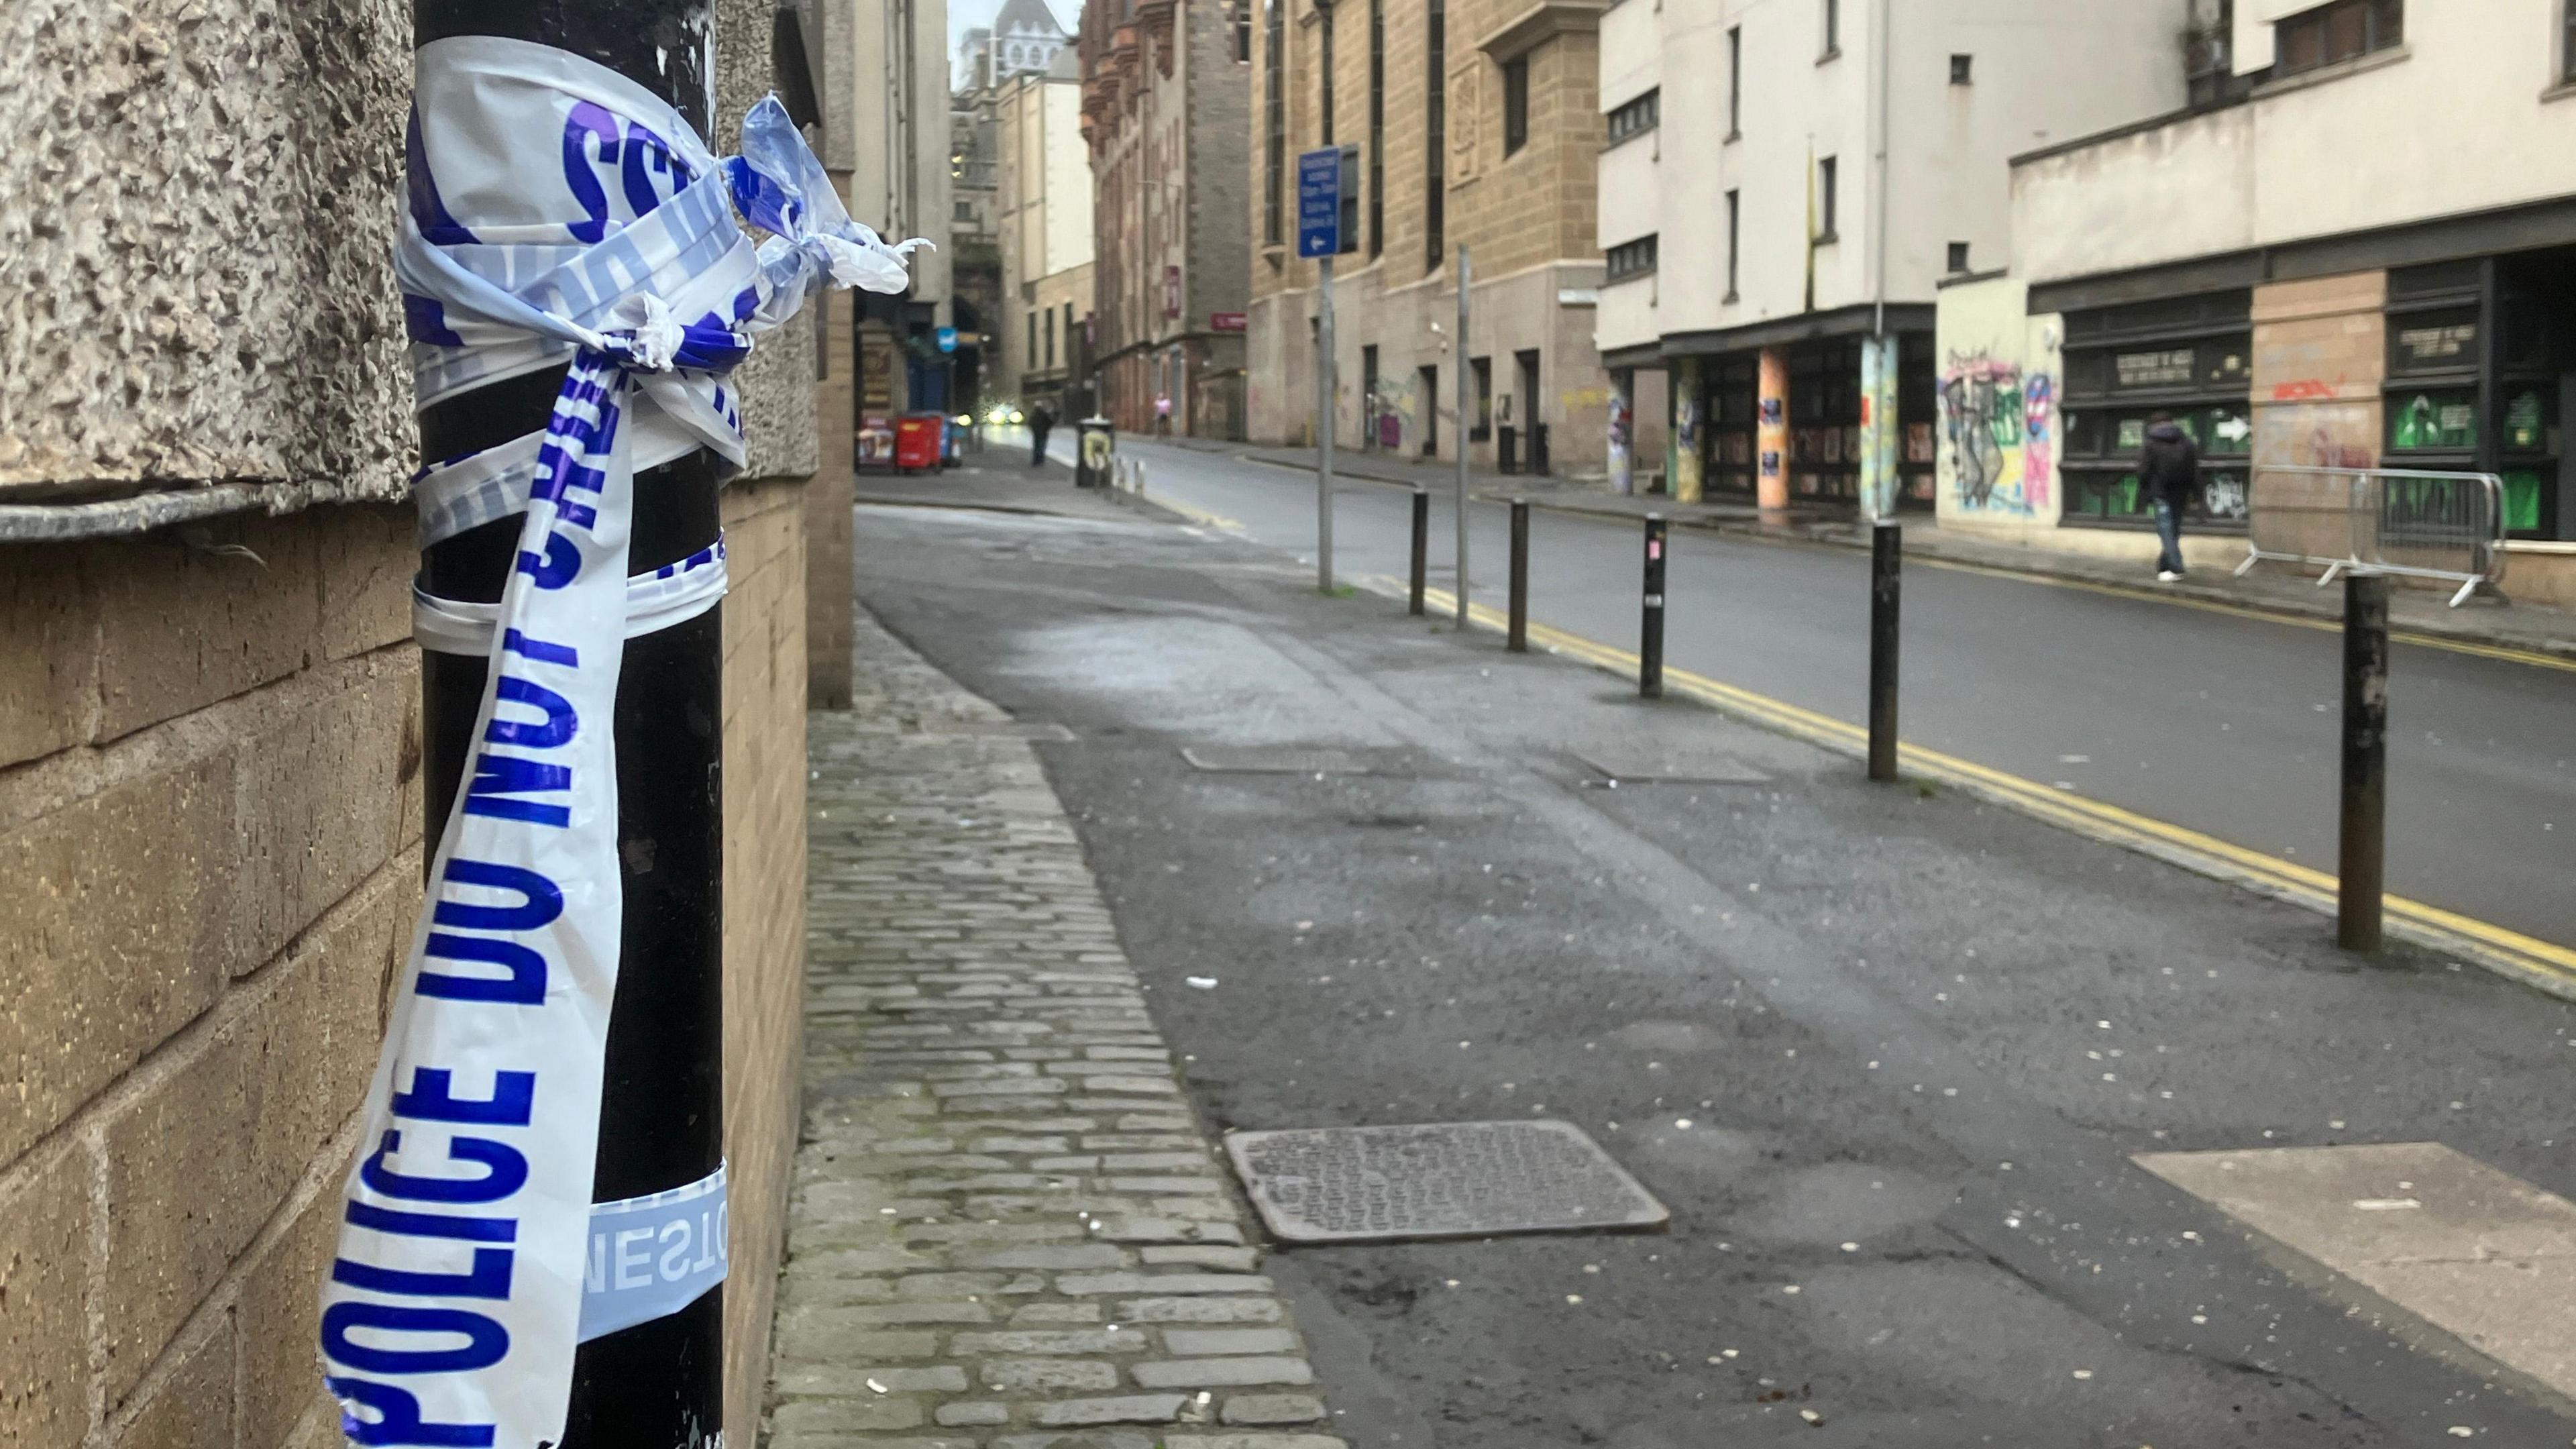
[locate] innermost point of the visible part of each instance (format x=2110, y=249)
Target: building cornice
x=1541, y=23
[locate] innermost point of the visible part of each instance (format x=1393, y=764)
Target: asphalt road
x=1884, y=1054
x=2222, y=724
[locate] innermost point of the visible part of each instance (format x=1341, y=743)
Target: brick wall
x=764, y=904
x=827, y=511
x=210, y=840
x=2320, y=352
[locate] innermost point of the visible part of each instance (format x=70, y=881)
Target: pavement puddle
x=2480, y=1254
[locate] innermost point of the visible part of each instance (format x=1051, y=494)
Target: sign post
x=1464, y=403
x=1327, y=225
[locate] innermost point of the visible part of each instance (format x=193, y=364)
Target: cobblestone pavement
x=1008, y=1230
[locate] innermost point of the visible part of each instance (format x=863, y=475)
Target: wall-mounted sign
x=946, y=338
x=1226, y=322
x=2450, y=344
x=2166, y=367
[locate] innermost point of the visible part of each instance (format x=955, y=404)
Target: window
x=1962, y=70
x=1483, y=381
x=1833, y=30
x=1273, y=124
x=1734, y=218
x=1638, y=115
x=1032, y=353
x=1068, y=333
x=1426, y=383
x=1050, y=337
x=1515, y=104
x=1958, y=256
x=2344, y=30
x=1435, y=121
x=1825, y=200
x=1377, y=128
x=1326, y=32
x=1632, y=259
x=1735, y=83
x=2567, y=48
x=1242, y=19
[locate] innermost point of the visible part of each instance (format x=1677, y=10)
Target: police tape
x=560, y=215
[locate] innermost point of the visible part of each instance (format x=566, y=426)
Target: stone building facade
x=211, y=833
x=1166, y=111
x=1046, y=225
x=1477, y=124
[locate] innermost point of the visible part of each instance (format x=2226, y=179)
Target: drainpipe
x=658, y=1384
x=1880, y=63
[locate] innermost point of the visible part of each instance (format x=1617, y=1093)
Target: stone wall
x=764, y=907
x=210, y=839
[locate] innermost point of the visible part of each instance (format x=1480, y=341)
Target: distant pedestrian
x=1163, y=414
x=2169, y=469
x=1040, y=423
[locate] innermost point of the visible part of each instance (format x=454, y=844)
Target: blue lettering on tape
x=486, y=1342
x=509, y=1172
x=397, y=1419
x=652, y=1256
x=433, y=1098
x=498, y=777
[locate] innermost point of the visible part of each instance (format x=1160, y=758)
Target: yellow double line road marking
x=2542, y=964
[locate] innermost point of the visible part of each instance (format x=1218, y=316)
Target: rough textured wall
x=200, y=201
x=210, y=827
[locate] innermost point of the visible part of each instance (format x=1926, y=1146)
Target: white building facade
x=1785, y=185
x=2353, y=251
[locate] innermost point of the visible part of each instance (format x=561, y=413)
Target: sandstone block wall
x=210, y=837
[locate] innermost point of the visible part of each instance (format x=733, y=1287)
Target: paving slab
x=994, y=1144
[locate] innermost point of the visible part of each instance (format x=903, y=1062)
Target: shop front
x=1808, y=428
x=2190, y=357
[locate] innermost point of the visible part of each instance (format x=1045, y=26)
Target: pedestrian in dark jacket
x=1041, y=422
x=2169, y=469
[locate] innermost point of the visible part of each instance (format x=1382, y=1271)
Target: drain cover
x=1275, y=760
x=1678, y=763
x=1443, y=1180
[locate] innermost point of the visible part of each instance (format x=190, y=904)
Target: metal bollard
x=1650, y=631
x=2361, y=864
x=1517, y=639
x=1140, y=480
x=1886, y=554
x=1421, y=546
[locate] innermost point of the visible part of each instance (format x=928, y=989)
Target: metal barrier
x=2414, y=522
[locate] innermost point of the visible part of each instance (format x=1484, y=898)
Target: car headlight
x=1016, y=416
x=965, y=420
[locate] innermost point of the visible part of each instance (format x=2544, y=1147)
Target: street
x=1887, y=1055
x=2221, y=723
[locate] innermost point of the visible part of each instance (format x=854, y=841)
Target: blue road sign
x=947, y=339
x=1319, y=202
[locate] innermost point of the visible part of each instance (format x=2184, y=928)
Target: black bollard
x=1421, y=546
x=1517, y=639
x=1650, y=632
x=1886, y=553
x=661, y=1117
x=2362, y=861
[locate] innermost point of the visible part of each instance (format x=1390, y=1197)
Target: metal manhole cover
x=1440, y=1180
x=997, y=729
x=1276, y=760
x=1678, y=763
